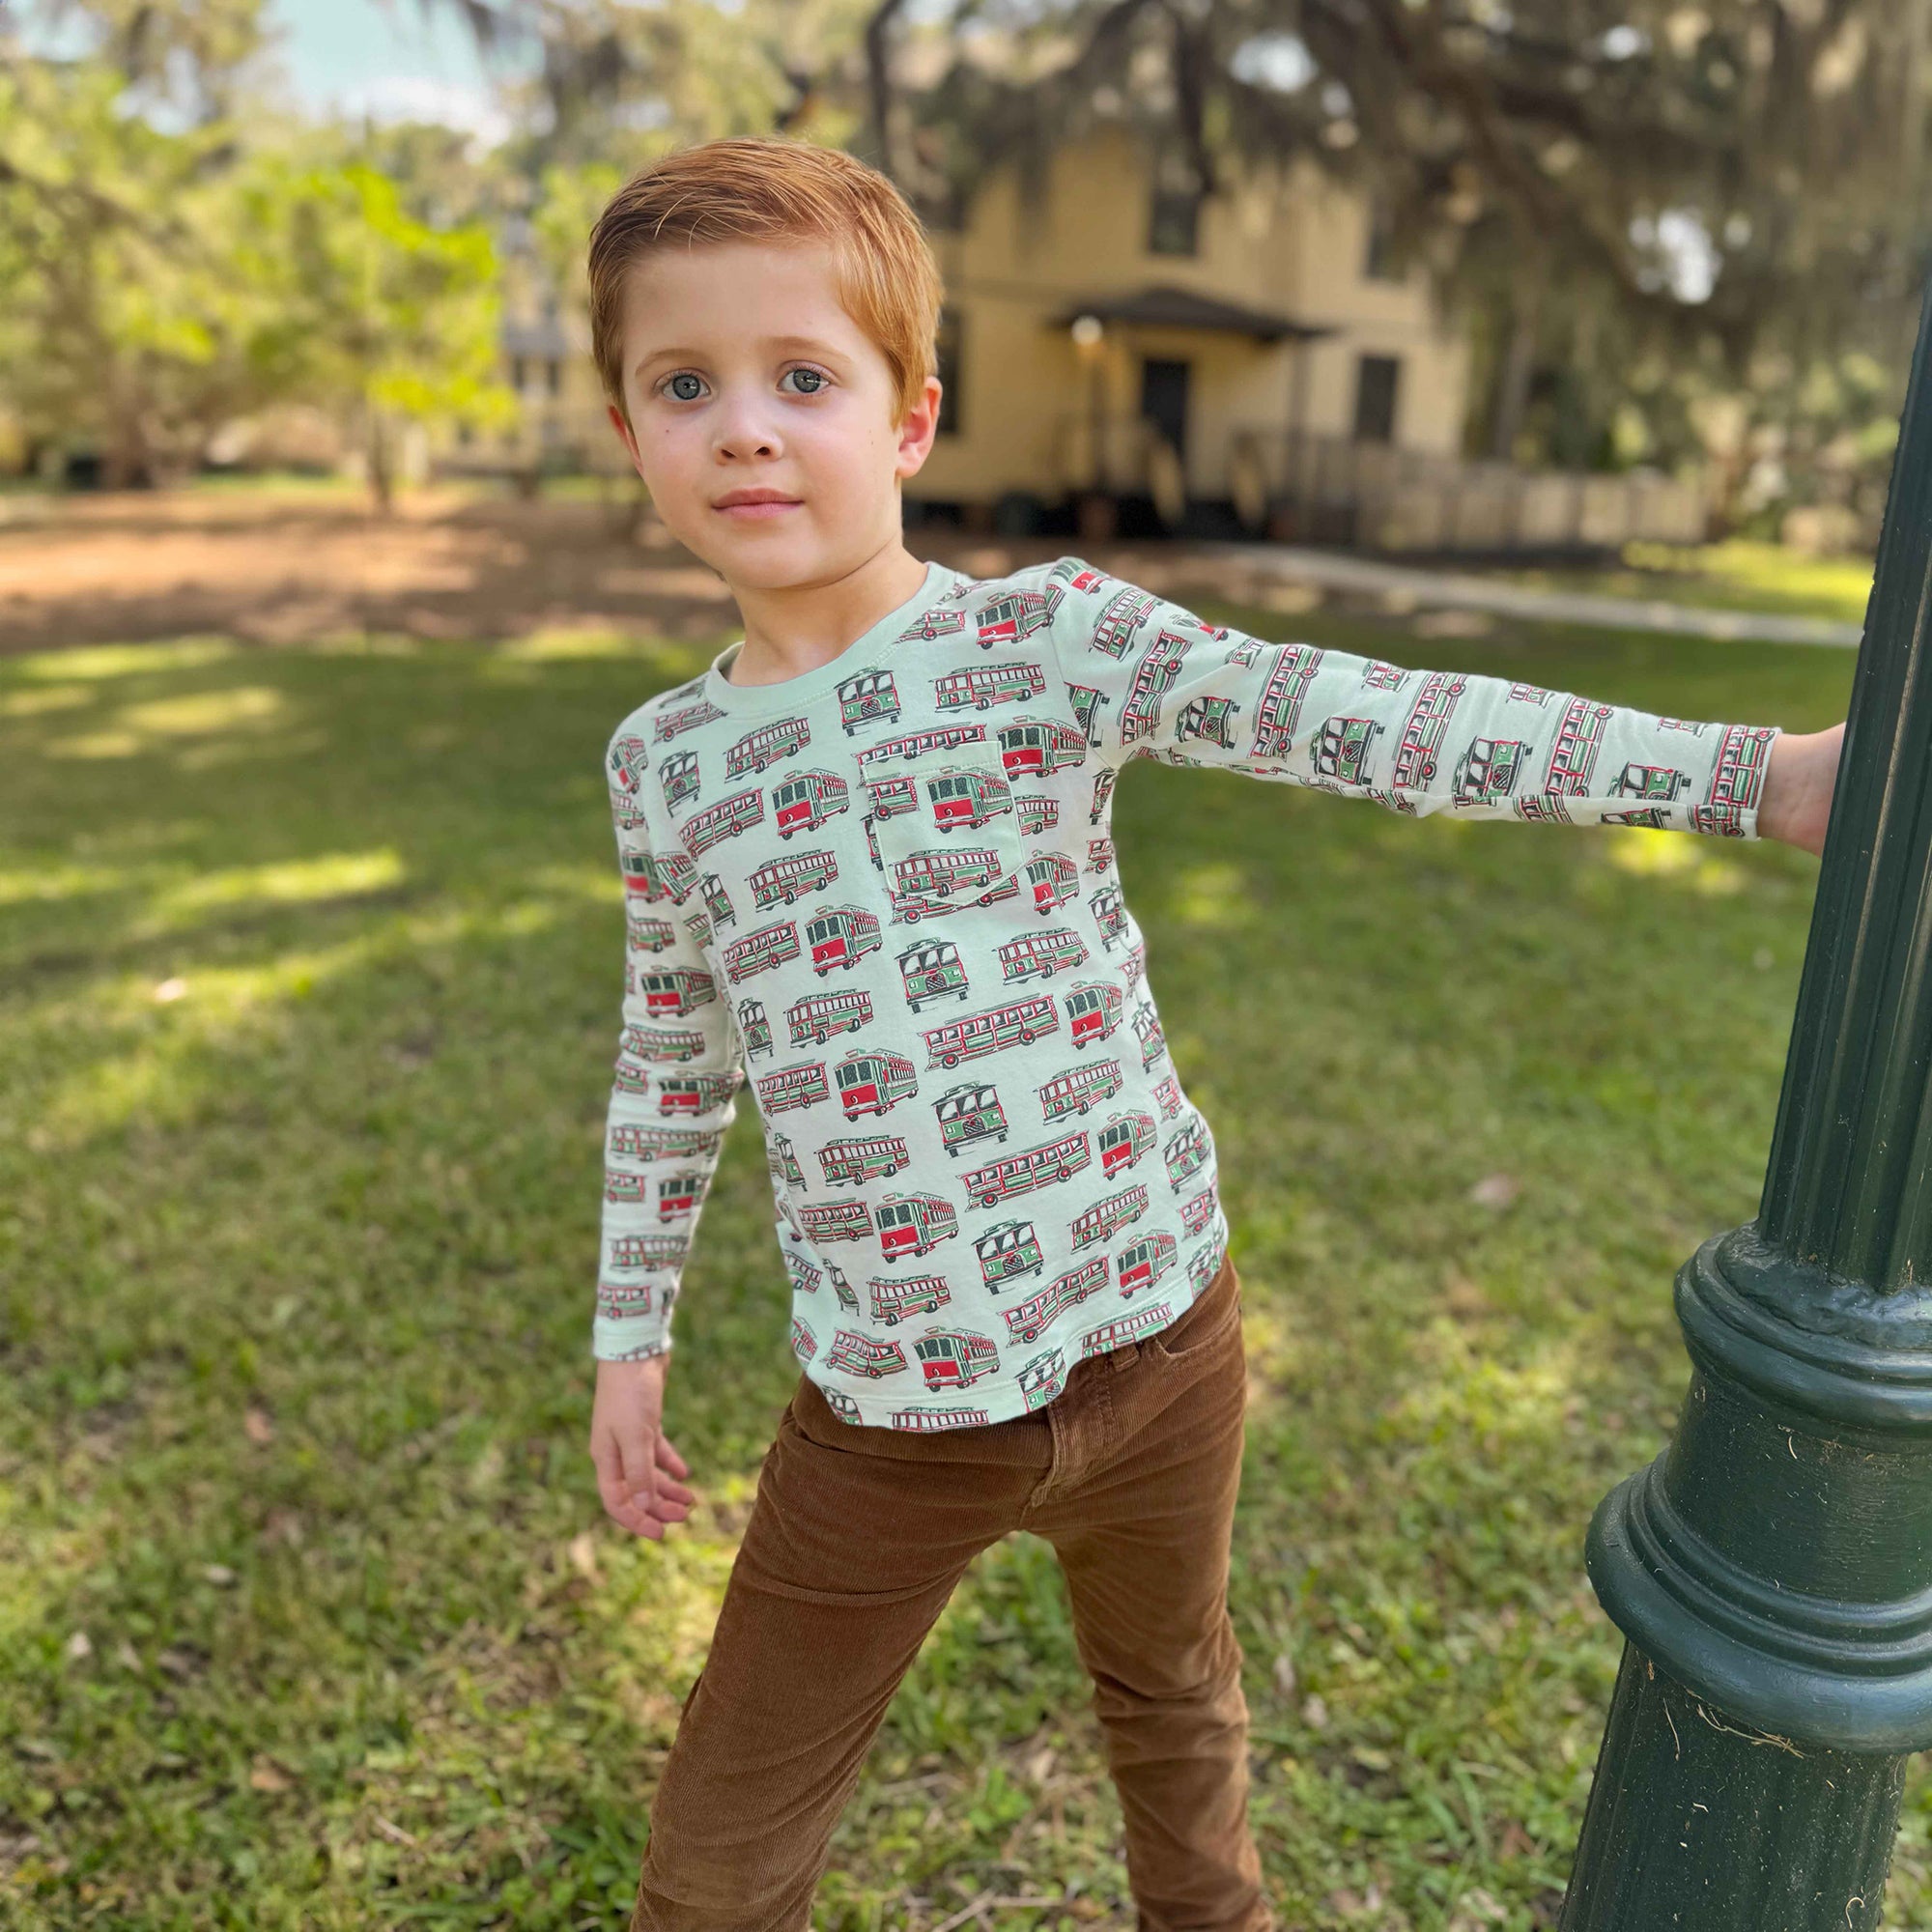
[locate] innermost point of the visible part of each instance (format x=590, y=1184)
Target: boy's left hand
x=1797, y=801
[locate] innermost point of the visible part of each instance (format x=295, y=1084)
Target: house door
x=1164, y=400
x=1375, y=381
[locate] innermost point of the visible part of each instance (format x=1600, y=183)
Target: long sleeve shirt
x=884, y=893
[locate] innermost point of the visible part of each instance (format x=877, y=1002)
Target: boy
x=869, y=867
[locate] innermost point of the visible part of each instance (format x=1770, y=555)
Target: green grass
x=308, y=1616
x=1738, y=575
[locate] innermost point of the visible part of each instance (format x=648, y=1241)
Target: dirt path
x=293, y=566
x=289, y=567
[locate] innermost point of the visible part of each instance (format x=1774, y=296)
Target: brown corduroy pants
x=856, y=1539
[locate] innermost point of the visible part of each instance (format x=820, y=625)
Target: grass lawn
x=309, y=971
x=1737, y=575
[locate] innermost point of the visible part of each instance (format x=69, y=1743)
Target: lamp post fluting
x=1772, y=1570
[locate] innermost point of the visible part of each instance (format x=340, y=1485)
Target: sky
x=393, y=61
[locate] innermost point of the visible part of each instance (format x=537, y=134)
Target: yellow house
x=1120, y=343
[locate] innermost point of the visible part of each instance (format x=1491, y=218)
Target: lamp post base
x=1699, y=1822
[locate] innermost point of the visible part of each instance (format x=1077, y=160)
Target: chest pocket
x=943, y=828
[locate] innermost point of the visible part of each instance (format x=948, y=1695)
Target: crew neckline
x=821, y=678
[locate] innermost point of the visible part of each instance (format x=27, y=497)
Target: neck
x=795, y=630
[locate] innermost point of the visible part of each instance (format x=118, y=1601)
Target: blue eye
x=811, y=379
x=684, y=395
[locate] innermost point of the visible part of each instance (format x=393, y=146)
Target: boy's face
x=743, y=373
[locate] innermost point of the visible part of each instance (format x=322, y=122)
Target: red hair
x=750, y=188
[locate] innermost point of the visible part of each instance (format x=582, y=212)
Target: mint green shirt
x=884, y=894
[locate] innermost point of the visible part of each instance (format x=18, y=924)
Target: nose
x=744, y=429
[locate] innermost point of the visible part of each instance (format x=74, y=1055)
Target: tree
x=123, y=323
x=377, y=312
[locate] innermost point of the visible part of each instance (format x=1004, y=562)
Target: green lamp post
x=1773, y=1570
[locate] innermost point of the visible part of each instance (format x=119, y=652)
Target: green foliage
x=376, y=310
x=309, y=1617
x=122, y=318
x=163, y=271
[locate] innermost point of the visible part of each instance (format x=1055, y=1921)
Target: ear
x=626, y=435
x=920, y=426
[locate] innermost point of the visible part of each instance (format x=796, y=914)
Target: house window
x=946, y=353
x=554, y=377
x=1375, y=381
x=517, y=374
x=1173, y=220
x=1378, y=263
x=1173, y=209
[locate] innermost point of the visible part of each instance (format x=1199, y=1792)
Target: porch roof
x=1160, y=304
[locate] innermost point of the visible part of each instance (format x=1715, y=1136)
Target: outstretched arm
x=1153, y=680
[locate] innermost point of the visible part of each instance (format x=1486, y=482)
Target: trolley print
x=1281, y=699
x=1734, y=783
x=759, y=951
x=1018, y=1024
x=836, y=1220
x=872, y=1083
x=866, y=698
x=969, y=1113
x=759, y=750
x=679, y=776
x=1141, y=1263
x=792, y=1087
x=842, y=936
x=1211, y=717
x=930, y=972
x=1025, y=1321
x=1007, y=1252
x=1102, y=1221
x=981, y=685
x=803, y=804
x=1087, y=701
x=754, y=1028
x=917, y=744
x=1123, y=1140
x=1078, y=1088
x=1053, y=878
x=1015, y=615
x=1042, y=954
x=954, y=1357
x=724, y=820
x=786, y=879
x=1573, y=757
x=1120, y=618
x=816, y=1019
x=914, y=1224
x=1092, y=1010
x=1030, y=1169
x=1486, y=774
x=1159, y=670
x=678, y=989
x=1037, y=747
x=865, y=1355
x=1422, y=731
x=862, y=1160
x=1342, y=748
x=893, y=1300
x=1126, y=1329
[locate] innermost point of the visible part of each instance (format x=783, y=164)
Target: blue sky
x=364, y=57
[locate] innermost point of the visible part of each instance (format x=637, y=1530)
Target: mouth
x=753, y=505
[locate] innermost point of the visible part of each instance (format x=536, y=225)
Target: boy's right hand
x=638, y=1473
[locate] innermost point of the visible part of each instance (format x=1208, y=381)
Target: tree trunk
x=382, y=463
x=1519, y=365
